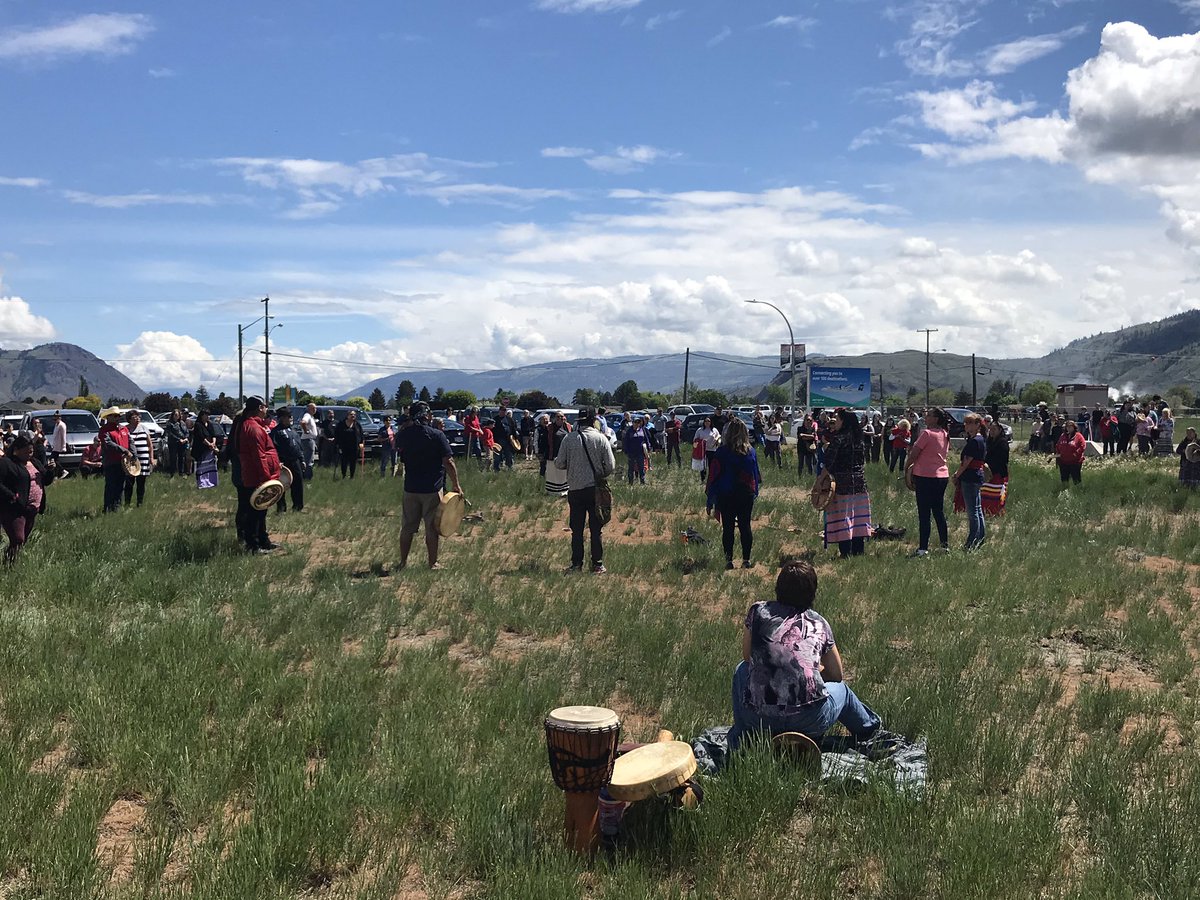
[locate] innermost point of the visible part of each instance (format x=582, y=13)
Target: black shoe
x=729, y=564
x=270, y=545
x=746, y=564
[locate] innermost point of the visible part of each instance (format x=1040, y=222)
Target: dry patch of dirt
x=1163, y=725
x=116, y=835
x=1077, y=664
x=637, y=723
x=233, y=817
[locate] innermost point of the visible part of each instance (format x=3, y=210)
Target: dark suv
x=369, y=426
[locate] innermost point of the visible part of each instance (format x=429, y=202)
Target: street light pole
x=791, y=349
x=267, y=350
x=241, y=383
x=928, y=332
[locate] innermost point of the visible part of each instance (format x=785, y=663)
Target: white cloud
x=144, y=198
x=19, y=327
x=166, y=359
x=490, y=193
x=566, y=152
x=1005, y=58
x=628, y=159
x=798, y=23
x=98, y=34
x=163, y=72
x=720, y=37
x=663, y=18
x=1133, y=119
x=23, y=182
x=586, y=6
x=323, y=186
x=801, y=258
x=918, y=246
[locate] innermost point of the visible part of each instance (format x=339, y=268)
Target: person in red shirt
x=114, y=445
x=1070, y=450
x=475, y=444
x=258, y=463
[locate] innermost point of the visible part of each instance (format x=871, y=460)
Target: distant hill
x=53, y=370
x=1150, y=357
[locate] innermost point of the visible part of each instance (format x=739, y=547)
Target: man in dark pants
x=586, y=456
x=258, y=463
x=505, y=432
x=291, y=454
x=114, y=440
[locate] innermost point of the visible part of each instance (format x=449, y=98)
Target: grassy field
x=178, y=719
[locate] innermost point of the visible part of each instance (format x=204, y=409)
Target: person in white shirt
x=58, y=440
x=308, y=438
x=712, y=440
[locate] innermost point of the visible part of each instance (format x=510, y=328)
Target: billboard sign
x=839, y=387
x=790, y=355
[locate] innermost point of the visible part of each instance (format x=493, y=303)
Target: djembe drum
x=582, y=745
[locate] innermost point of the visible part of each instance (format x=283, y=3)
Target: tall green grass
x=317, y=723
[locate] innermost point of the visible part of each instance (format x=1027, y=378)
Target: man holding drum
x=426, y=456
x=114, y=443
x=259, y=463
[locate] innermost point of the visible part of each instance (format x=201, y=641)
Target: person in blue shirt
x=970, y=477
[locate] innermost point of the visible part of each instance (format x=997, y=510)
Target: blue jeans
x=637, y=468
x=841, y=705
x=387, y=458
x=504, y=455
x=977, y=529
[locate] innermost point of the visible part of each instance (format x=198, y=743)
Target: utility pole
x=241, y=385
x=687, y=358
x=881, y=392
x=974, y=386
x=928, y=332
x=267, y=350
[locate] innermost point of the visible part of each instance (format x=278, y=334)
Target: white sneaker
x=918, y=554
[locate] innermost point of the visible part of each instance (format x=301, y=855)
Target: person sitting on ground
x=790, y=676
x=92, y=461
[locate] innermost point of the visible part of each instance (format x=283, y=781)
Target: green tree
x=962, y=397
x=377, y=400
x=458, y=399
x=359, y=402
x=159, y=402
x=90, y=402
x=503, y=394
x=44, y=400
x=586, y=397
x=1038, y=392
x=941, y=397
x=83, y=387
x=537, y=400
x=627, y=395
x=1186, y=395
x=424, y=395
x=223, y=405
x=711, y=396
x=778, y=394
x=406, y=391
x=202, y=397
x=187, y=401
x=913, y=393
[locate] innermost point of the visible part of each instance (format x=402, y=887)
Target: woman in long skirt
x=1189, y=463
x=848, y=515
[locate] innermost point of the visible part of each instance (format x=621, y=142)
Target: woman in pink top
x=929, y=476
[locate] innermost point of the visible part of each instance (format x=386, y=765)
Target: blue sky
x=481, y=185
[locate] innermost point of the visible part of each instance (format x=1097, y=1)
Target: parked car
x=572, y=415
x=369, y=426
x=683, y=410
x=687, y=429
x=82, y=428
x=456, y=434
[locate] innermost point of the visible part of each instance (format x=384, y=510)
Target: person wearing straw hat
x=427, y=457
x=258, y=462
x=1189, y=459
x=114, y=441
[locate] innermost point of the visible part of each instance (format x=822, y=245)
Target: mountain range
x=1148, y=357
x=54, y=370
x=1141, y=358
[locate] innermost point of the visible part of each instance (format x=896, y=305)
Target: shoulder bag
x=603, y=508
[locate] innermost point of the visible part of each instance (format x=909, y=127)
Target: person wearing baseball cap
x=427, y=457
